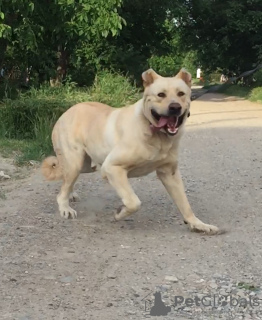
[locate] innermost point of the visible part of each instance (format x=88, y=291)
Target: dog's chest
x=143, y=170
x=153, y=158
x=159, y=149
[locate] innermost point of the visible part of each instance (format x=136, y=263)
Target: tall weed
x=113, y=89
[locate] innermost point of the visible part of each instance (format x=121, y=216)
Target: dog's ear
x=149, y=77
x=185, y=76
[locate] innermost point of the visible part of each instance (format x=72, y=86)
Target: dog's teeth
x=172, y=130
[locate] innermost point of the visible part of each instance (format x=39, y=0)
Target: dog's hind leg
x=86, y=168
x=63, y=197
x=71, y=169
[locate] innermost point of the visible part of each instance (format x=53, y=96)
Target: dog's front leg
x=117, y=177
x=173, y=183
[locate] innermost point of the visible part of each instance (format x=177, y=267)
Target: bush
x=166, y=66
x=32, y=115
x=170, y=65
x=256, y=95
x=44, y=106
x=190, y=62
x=113, y=89
x=20, y=117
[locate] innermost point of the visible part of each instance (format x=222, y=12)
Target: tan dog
x=132, y=141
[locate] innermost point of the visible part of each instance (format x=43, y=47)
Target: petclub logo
x=216, y=301
x=156, y=307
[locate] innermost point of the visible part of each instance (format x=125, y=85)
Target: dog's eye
x=181, y=93
x=162, y=95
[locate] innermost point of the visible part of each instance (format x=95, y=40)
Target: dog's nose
x=174, y=108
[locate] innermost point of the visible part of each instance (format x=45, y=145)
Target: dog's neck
x=139, y=112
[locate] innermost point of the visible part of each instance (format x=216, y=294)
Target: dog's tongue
x=162, y=122
x=171, y=122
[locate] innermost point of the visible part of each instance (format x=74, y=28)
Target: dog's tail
x=51, y=169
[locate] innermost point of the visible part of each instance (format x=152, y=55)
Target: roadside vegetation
x=252, y=92
x=54, y=56
x=27, y=121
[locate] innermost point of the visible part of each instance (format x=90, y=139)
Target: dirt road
x=91, y=268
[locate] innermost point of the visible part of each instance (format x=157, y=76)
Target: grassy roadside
x=253, y=94
x=26, y=122
x=22, y=151
x=235, y=90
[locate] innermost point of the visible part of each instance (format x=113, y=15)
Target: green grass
x=22, y=151
x=249, y=93
x=252, y=93
x=256, y=95
x=11, y=148
x=27, y=121
x=235, y=90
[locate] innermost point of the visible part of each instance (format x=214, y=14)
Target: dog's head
x=167, y=100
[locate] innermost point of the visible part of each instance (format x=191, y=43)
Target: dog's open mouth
x=170, y=124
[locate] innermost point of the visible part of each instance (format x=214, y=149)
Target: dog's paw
x=74, y=197
x=68, y=212
x=121, y=213
x=199, y=226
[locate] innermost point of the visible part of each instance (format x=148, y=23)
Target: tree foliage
x=78, y=38
x=226, y=34
x=46, y=34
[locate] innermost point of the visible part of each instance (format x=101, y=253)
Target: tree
x=149, y=38
x=16, y=27
x=226, y=34
x=78, y=23
x=47, y=33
